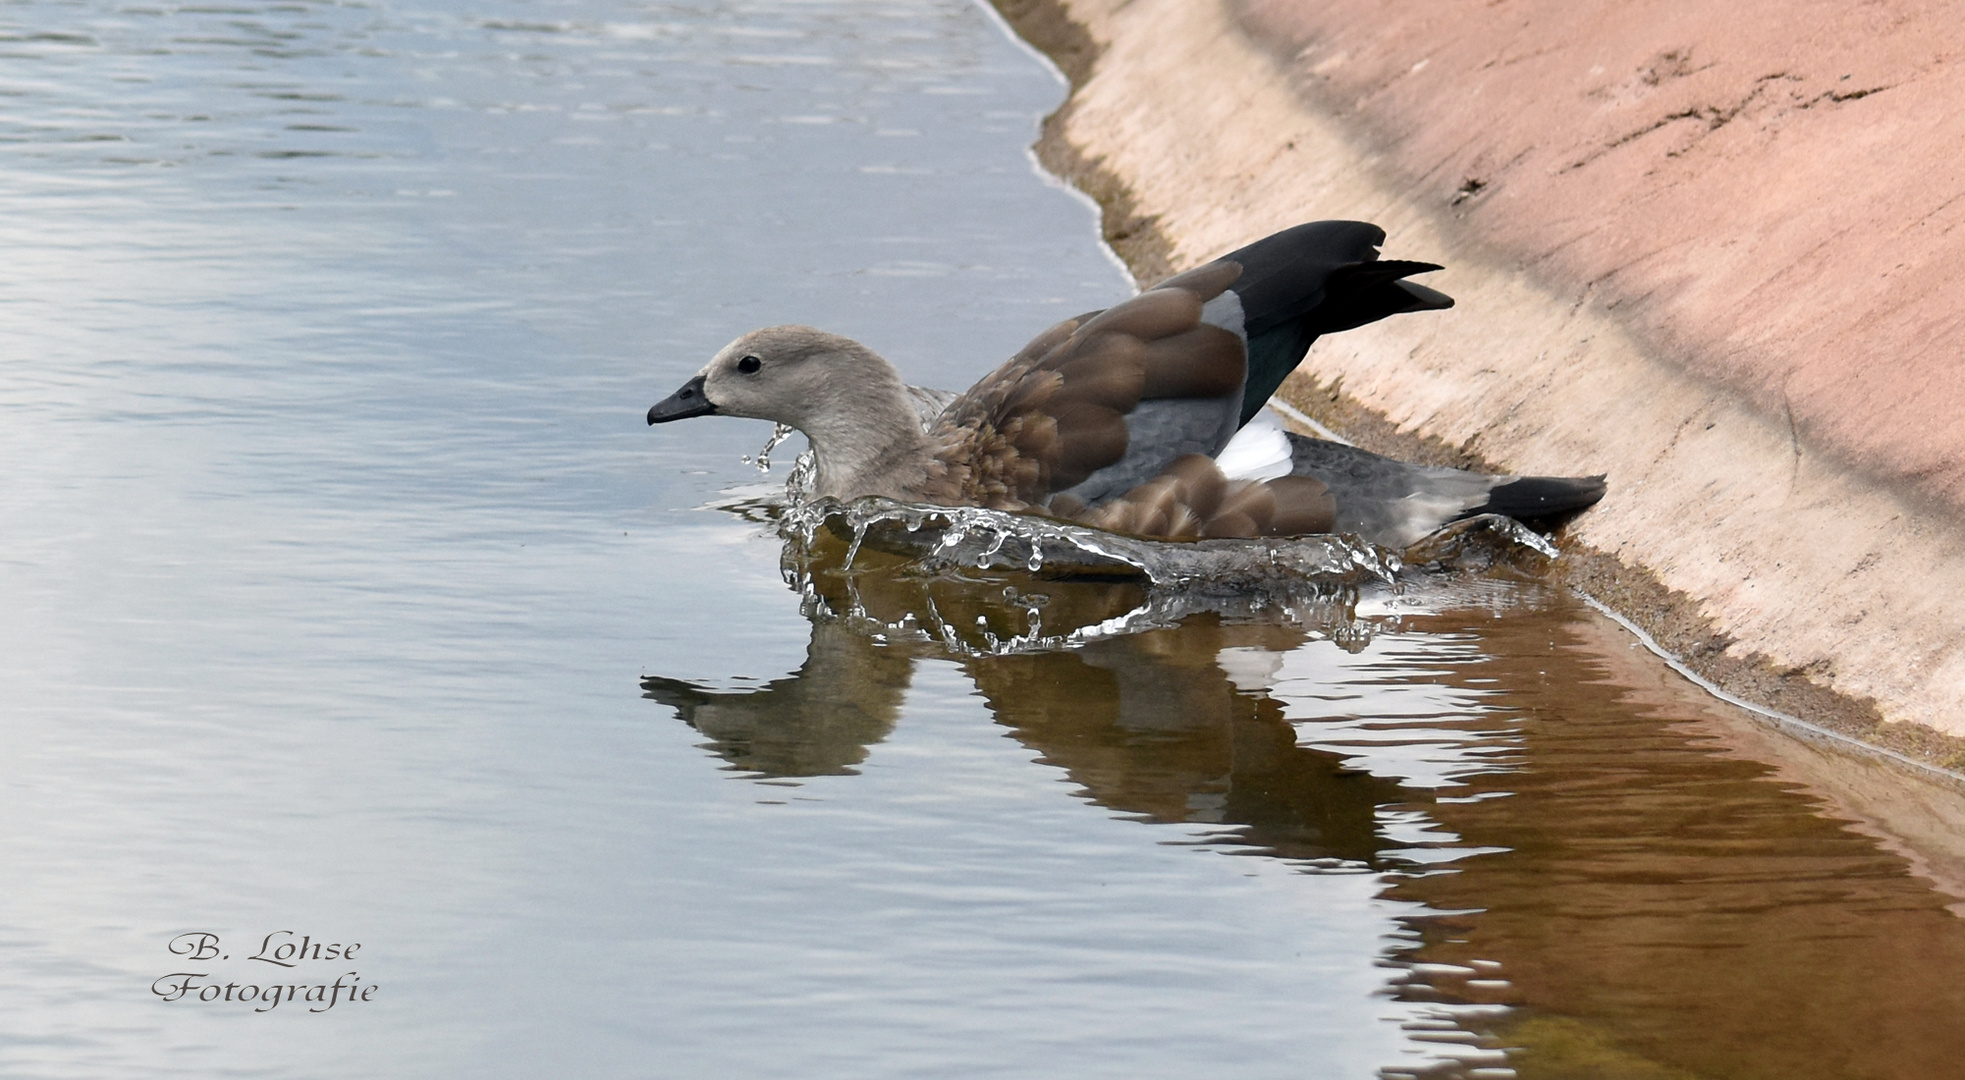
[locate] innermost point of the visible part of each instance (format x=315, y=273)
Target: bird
x=1147, y=418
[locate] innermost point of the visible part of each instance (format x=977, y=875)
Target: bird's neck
x=870, y=444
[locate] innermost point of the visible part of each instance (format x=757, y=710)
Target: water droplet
x=763, y=459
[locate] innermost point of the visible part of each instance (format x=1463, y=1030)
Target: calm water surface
x=335, y=554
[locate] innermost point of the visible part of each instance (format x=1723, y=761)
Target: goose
x=1145, y=418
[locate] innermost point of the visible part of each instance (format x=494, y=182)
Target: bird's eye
x=749, y=365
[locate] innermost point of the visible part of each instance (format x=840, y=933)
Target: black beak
x=683, y=404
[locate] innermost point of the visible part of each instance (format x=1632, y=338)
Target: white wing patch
x=1260, y=451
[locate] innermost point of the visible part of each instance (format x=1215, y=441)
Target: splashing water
x=967, y=617
x=1316, y=582
x=943, y=538
x=763, y=459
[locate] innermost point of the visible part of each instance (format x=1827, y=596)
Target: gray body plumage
x=1387, y=501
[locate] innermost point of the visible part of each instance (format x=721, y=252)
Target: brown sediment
x=1713, y=496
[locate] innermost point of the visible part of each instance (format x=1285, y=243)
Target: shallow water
x=336, y=553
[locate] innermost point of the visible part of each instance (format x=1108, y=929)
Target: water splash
x=1482, y=542
x=763, y=459
x=1010, y=613
x=980, y=582
x=938, y=539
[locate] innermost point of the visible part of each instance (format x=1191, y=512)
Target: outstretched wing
x=1098, y=404
x=1114, y=418
x=1314, y=279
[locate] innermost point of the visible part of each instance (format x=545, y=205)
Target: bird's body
x=1126, y=419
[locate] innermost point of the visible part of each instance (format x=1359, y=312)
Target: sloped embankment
x=1708, y=263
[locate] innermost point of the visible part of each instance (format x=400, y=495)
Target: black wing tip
x=1407, y=267
x=1425, y=299
x=1380, y=288
x=1324, y=241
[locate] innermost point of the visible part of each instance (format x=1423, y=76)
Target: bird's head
x=788, y=374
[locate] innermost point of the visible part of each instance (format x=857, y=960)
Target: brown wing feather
x=1192, y=499
x=1055, y=413
x=1303, y=506
x=1204, y=361
x=1156, y=314
x=1089, y=436
x=1206, y=281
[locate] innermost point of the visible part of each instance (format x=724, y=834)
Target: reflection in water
x=817, y=721
x=1605, y=891
x=1150, y=725
x=1147, y=723
x=1664, y=909
x=330, y=522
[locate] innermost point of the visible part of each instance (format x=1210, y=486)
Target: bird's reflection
x=1618, y=895
x=1139, y=711
x=1151, y=725
x=817, y=721
x=1625, y=898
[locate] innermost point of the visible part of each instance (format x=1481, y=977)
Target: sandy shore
x=1731, y=309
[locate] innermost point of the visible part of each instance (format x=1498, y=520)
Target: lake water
x=336, y=554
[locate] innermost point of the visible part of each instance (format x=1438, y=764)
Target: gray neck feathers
x=865, y=430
